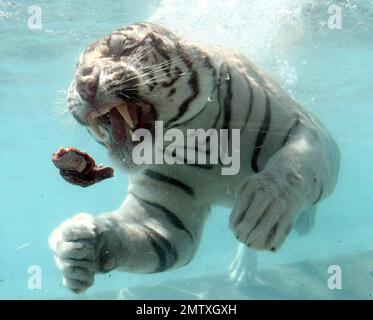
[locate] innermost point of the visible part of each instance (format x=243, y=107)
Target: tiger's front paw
x=74, y=244
x=265, y=208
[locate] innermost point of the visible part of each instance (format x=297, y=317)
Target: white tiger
x=142, y=73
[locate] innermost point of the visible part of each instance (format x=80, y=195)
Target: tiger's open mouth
x=114, y=124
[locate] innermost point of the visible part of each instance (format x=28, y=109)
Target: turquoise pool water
x=328, y=70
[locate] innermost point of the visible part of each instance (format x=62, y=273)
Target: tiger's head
x=133, y=77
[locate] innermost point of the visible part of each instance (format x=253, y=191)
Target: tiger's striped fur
x=289, y=162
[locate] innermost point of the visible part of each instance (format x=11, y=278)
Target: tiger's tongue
x=118, y=126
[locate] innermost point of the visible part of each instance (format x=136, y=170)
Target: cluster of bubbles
x=256, y=28
x=266, y=31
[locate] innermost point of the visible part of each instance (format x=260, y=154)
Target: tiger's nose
x=87, y=86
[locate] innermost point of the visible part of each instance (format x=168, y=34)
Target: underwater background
x=328, y=70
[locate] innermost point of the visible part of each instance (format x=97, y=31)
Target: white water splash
x=256, y=28
x=266, y=31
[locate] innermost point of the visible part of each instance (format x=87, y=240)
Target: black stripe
x=320, y=195
x=160, y=177
x=250, y=108
x=209, y=66
x=177, y=76
x=224, y=104
x=227, y=105
x=261, y=135
x=200, y=166
x=289, y=133
x=168, y=250
x=193, y=83
x=227, y=102
x=185, y=161
x=173, y=219
x=219, y=113
x=195, y=116
x=159, y=251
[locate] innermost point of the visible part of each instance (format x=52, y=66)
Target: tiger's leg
x=144, y=235
x=295, y=178
x=243, y=268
